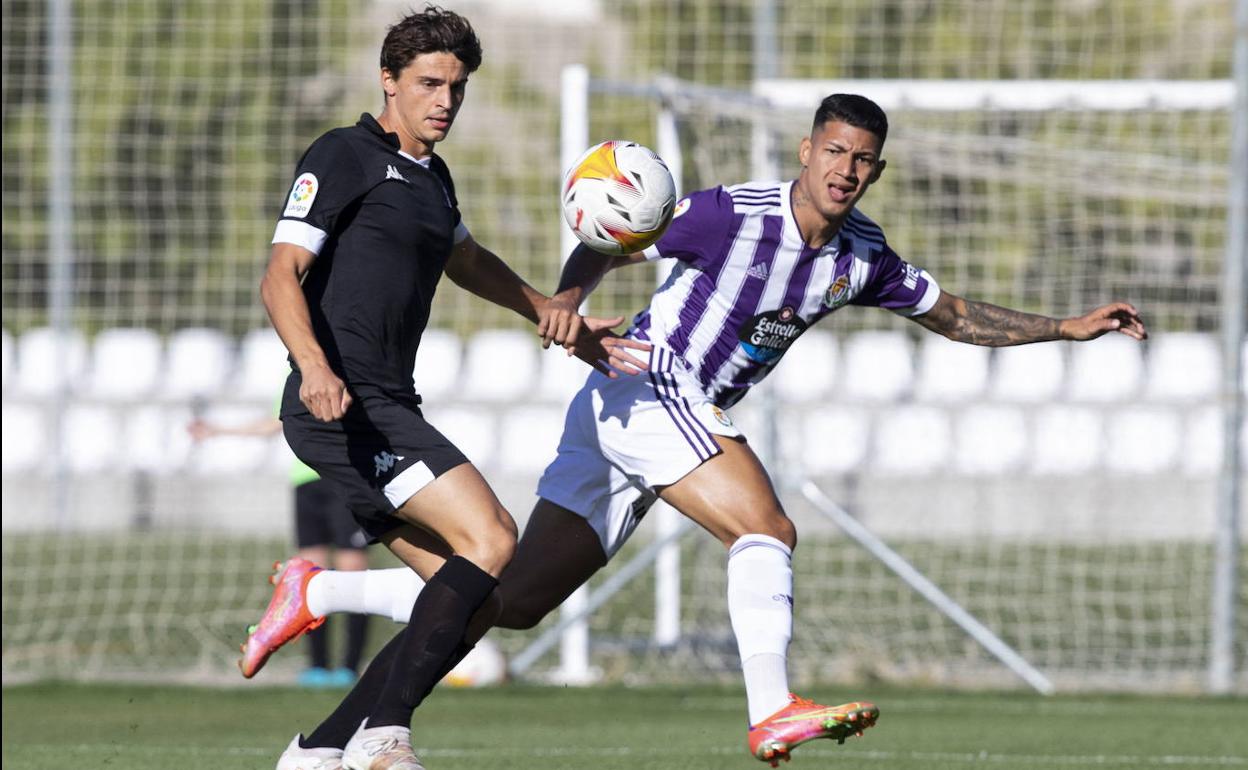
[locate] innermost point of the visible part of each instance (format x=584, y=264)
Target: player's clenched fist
x=324, y=394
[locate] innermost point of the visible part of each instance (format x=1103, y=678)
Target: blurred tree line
x=189, y=116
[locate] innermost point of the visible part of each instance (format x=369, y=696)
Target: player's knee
x=491, y=547
x=778, y=526
x=786, y=532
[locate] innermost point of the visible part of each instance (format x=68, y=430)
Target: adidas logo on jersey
x=758, y=270
x=393, y=173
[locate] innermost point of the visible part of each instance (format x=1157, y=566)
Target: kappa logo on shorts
x=384, y=462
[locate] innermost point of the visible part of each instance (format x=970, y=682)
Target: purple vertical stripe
x=678, y=408
x=684, y=410
x=746, y=304
x=641, y=325
x=795, y=294
x=699, y=295
x=656, y=380
x=799, y=282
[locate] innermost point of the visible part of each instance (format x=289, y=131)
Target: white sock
x=760, y=604
x=389, y=593
x=392, y=592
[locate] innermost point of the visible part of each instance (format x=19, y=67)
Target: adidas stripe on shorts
x=623, y=437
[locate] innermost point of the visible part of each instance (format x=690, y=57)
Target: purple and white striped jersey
x=746, y=286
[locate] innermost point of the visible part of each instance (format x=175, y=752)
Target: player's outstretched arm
x=606, y=351
x=478, y=270
x=595, y=343
x=322, y=391
x=581, y=275
x=980, y=323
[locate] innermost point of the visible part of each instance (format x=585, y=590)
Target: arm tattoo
x=980, y=323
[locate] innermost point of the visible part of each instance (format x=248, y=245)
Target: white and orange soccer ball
x=484, y=665
x=618, y=197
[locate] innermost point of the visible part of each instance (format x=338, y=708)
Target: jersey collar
x=370, y=124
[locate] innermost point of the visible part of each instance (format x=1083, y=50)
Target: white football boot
x=295, y=757
x=380, y=748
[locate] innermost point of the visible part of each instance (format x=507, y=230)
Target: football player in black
x=370, y=225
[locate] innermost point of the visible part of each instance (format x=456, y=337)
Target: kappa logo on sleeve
x=302, y=195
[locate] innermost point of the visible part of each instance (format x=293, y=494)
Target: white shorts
x=624, y=437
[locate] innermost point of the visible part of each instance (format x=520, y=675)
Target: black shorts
x=321, y=518
x=377, y=456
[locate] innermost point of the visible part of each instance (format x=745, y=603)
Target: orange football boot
x=772, y=739
x=287, y=617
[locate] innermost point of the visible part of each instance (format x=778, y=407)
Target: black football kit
x=382, y=225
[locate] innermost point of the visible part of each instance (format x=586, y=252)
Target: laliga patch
x=766, y=336
x=302, y=195
x=681, y=207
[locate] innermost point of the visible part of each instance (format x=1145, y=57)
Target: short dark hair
x=432, y=30
x=857, y=111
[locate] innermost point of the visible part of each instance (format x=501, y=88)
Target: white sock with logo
x=389, y=593
x=760, y=605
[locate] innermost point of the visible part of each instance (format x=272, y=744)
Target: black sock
x=433, y=637
x=464, y=647
x=318, y=650
x=357, y=634
x=339, y=726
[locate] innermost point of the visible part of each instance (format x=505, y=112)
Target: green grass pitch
x=518, y=728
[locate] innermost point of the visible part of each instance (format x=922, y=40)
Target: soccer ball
x=618, y=197
x=483, y=666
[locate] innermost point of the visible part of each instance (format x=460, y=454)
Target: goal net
x=1065, y=500
x=1067, y=503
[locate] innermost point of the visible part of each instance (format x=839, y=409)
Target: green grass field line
x=525, y=728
